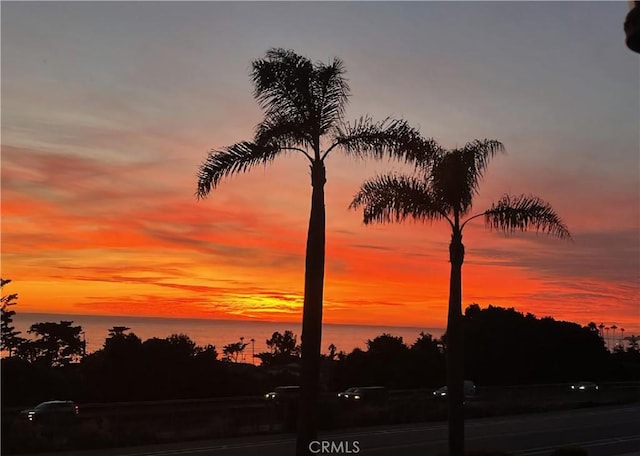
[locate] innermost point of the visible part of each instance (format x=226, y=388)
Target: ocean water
x=219, y=332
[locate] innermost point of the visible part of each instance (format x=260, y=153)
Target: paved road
x=602, y=431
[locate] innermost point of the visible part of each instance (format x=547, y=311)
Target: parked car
x=52, y=412
x=283, y=393
x=469, y=390
x=585, y=386
x=369, y=394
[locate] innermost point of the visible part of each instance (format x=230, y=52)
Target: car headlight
x=356, y=397
x=581, y=387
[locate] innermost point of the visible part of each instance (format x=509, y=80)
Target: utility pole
x=253, y=351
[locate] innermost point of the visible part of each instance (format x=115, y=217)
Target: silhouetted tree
x=284, y=349
x=593, y=328
x=332, y=351
x=387, y=357
x=182, y=345
x=387, y=346
x=303, y=104
x=427, y=362
x=166, y=366
x=443, y=189
x=207, y=352
x=114, y=372
x=119, y=344
x=353, y=369
x=10, y=339
x=555, y=351
x=615, y=342
x=117, y=331
x=56, y=344
x=232, y=351
x=170, y=368
x=386, y=362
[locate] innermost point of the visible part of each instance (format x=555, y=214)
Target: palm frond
x=480, y=151
x=231, y=160
x=331, y=92
x=476, y=156
x=390, y=137
x=283, y=132
x=282, y=85
x=457, y=173
x=523, y=213
x=390, y=198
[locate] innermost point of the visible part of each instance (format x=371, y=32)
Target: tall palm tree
x=303, y=104
x=443, y=190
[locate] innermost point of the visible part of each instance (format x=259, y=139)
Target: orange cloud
x=85, y=235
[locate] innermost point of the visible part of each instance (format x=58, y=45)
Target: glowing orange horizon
x=394, y=275
x=211, y=260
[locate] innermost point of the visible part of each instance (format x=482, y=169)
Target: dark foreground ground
x=587, y=417
x=601, y=431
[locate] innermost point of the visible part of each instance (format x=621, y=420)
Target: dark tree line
x=388, y=361
x=504, y=347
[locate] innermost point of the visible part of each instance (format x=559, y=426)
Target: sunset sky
x=108, y=109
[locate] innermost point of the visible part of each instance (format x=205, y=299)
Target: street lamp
x=253, y=351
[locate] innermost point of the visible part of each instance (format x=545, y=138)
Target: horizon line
x=243, y=319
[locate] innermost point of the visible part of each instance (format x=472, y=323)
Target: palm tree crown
x=304, y=102
x=444, y=189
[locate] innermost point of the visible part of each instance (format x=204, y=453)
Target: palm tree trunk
x=455, y=348
x=312, y=314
